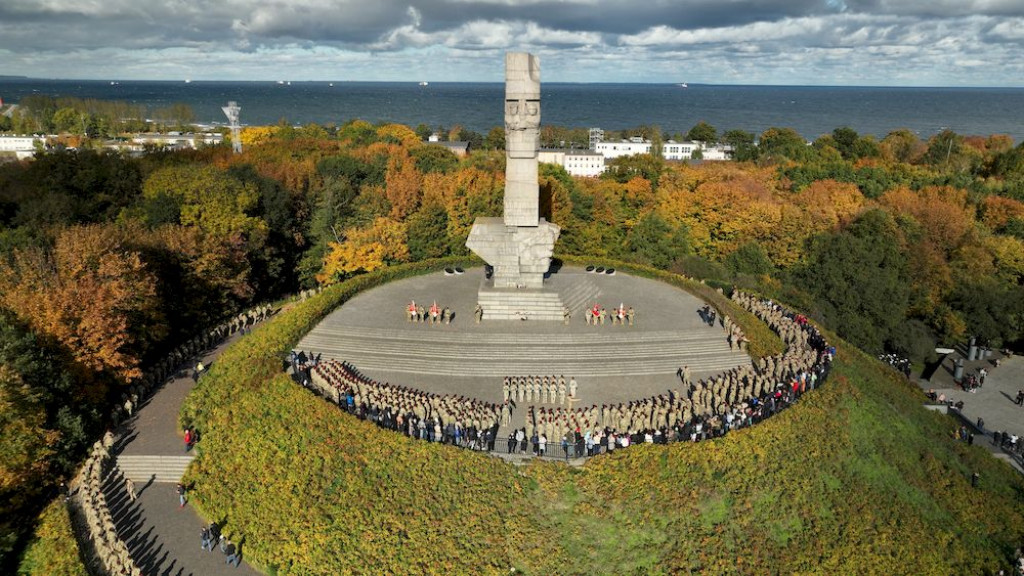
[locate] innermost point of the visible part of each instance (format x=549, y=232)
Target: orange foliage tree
x=91, y=294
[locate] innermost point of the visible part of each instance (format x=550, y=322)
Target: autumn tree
x=365, y=250
x=91, y=294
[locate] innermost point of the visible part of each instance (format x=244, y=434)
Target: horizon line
x=501, y=82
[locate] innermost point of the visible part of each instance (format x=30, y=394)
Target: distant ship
x=188, y=80
x=331, y=84
x=281, y=82
x=424, y=83
x=683, y=85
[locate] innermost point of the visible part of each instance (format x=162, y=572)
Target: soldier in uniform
x=478, y=313
x=572, y=387
x=630, y=314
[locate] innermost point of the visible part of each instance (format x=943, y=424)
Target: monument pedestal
x=519, y=304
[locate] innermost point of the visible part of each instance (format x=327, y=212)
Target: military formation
x=696, y=410
x=111, y=553
x=434, y=315
x=703, y=408
x=539, y=389
x=597, y=314
x=417, y=414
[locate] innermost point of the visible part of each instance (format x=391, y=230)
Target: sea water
x=810, y=110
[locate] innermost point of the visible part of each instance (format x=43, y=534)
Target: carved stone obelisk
x=519, y=245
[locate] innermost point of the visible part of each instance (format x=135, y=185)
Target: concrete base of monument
x=520, y=304
x=612, y=363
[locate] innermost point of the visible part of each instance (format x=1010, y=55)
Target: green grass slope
x=856, y=479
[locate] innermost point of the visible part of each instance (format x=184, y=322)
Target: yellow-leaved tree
x=365, y=250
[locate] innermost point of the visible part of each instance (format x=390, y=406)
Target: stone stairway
x=520, y=305
x=428, y=350
x=159, y=468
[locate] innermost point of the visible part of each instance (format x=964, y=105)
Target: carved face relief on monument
x=522, y=114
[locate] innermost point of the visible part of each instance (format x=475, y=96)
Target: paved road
x=163, y=539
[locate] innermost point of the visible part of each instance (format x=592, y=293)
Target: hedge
x=53, y=550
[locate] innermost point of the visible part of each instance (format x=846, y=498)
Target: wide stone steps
x=583, y=357
x=157, y=468
x=520, y=305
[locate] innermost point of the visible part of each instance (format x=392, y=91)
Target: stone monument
x=519, y=245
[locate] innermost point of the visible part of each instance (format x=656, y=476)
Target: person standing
x=182, y=495
x=129, y=487
x=188, y=439
x=204, y=535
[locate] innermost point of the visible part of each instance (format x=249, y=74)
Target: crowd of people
x=433, y=315
x=703, y=409
x=699, y=410
x=423, y=415
x=539, y=389
x=899, y=363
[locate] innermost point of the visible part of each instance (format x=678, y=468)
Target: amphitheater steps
x=157, y=468
x=462, y=354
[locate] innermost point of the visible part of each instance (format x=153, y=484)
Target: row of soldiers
x=737, y=397
x=737, y=339
x=111, y=551
x=170, y=364
x=539, y=389
x=434, y=315
x=597, y=314
x=344, y=385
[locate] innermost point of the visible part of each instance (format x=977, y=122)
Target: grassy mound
x=856, y=479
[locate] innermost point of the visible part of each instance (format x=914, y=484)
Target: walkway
x=163, y=539
x=994, y=402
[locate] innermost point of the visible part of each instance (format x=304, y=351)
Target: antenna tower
x=232, y=110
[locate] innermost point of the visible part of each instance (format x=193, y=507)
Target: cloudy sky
x=818, y=42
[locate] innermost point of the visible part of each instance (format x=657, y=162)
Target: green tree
x=654, y=242
x=428, y=231
x=783, y=143
x=433, y=158
x=742, y=144
x=703, y=132
x=750, y=258
x=859, y=280
x=495, y=139
x=625, y=168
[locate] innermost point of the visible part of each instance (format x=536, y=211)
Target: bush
x=53, y=550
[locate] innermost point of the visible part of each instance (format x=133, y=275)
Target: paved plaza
x=612, y=363
x=994, y=402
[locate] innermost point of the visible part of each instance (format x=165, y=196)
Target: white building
x=22, y=146
x=684, y=150
x=631, y=147
x=575, y=162
x=175, y=140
